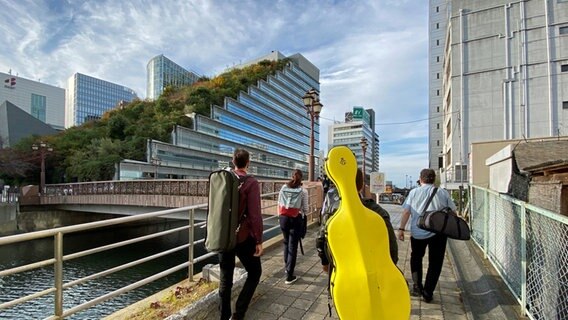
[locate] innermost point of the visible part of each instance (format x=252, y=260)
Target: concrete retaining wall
x=8, y=216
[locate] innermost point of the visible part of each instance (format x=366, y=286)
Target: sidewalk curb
x=484, y=293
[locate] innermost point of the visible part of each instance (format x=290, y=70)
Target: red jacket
x=252, y=225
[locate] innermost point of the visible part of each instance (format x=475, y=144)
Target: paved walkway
x=308, y=297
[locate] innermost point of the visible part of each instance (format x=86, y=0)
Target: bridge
x=522, y=244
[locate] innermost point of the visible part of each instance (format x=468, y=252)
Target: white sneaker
x=291, y=280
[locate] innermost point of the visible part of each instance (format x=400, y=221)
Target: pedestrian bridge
x=140, y=196
x=518, y=247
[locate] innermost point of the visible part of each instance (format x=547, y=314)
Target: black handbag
x=444, y=221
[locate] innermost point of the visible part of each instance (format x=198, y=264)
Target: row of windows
x=276, y=123
x=265, y=93
x=285, y=120
x=186, y=138
x=38, y=106
x=228, y=134
x=313, y=83
x=231, y=121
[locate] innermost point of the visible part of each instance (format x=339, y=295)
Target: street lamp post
x=156, y=162
x=313, y=107
x=364, y=145
x=43, y=148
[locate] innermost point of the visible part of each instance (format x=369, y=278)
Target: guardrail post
x=58, y=274
x=485, y=222
x=523, y=259
x=191, y=239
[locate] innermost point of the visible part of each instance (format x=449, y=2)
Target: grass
x=175, y=300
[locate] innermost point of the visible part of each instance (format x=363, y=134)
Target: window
x=438, y=75
x=437, y=109
x=437, y=25
x=38, y=106
x=564, y=104
x=438, y=59
x=438, y=92
x=564, y=68
x=437, y=143
x=563, y=30
x=437, y=9
x=438, y=42
x=438, y=126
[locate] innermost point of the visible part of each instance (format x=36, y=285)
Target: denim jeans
x=252, y=265
x=436, y=250
x=291, y=228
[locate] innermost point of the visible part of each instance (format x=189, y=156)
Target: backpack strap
x=429, y=200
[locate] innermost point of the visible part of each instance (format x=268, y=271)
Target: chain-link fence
x=528, y=247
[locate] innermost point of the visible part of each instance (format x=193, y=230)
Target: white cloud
x=370, y=53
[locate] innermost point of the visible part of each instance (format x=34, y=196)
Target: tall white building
x=504, y=76
x=43, y=101
x=358, y=124
x=437, y=24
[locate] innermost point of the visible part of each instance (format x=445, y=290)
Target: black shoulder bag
x=444, y=221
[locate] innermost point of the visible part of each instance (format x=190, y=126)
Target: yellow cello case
x=365, y=283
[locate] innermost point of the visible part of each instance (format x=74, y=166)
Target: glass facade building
x=163, y=72
x=269, y=120
x=89, y=98
x=358, y=124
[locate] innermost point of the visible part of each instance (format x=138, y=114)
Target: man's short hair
x=428, y=176
x=240, y=158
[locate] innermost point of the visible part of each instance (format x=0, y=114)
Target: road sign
x=377, y=182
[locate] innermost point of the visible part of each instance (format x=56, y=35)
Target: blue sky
x=370, y=53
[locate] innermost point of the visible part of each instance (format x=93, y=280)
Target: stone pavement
x=308, y=297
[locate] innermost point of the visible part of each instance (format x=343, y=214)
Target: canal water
x=15, y=286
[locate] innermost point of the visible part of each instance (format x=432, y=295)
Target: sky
x=370, y=53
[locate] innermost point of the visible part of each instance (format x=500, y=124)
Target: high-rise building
x=437, y=25
x=505, y=76
x=43, y=101
x=269, y=120
x=360, y=123
x=88, y=98
x=163, y=72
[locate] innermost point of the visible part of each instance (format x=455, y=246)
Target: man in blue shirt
x=420, y=238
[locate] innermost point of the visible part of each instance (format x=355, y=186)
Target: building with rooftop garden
x=162, y=73
x=269, y=120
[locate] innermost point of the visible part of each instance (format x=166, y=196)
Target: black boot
x=417, y=287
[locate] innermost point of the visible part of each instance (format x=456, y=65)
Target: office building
x=359, y=123
x=163, y=72
x=269, y=120
x=43, y=101
x=505, y=75
x=88, y=98
x=437, y=25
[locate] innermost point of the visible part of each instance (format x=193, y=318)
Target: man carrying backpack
x=249, y=244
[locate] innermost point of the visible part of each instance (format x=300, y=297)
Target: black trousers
x=252, y=265
x=291, y=228
x=436, y=250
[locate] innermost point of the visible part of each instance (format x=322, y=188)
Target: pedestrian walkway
x=308, y=297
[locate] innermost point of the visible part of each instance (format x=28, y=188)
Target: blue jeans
x=291, y=228
x=252, y=265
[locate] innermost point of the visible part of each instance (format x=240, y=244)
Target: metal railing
x=527, y=246
x=58, y=257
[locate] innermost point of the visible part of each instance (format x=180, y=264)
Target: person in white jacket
x=292, y=206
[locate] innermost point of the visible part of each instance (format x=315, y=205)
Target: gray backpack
x=223, y=215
